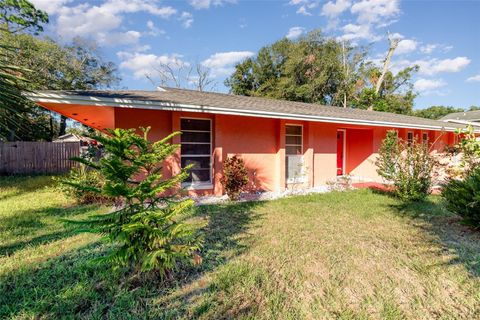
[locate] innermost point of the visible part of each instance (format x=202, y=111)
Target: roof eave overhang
x=171, y=106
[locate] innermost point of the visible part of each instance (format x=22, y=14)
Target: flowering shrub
x=235, y=177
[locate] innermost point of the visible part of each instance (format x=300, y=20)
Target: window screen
x=196, y=149
x=294, y=162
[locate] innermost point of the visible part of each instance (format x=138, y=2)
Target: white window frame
x=303, y=178
x=344, y=160
x=293, y=135
x=203, y=184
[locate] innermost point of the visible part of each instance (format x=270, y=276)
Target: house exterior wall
x=261, y=144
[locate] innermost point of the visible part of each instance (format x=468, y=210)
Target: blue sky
x=442, y=37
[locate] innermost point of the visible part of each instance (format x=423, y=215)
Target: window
x=293, y=140
x=294, y=162
x=409, y=137
x=196, y=149
x=425, y=137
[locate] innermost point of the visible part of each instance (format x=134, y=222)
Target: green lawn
x=351, y=255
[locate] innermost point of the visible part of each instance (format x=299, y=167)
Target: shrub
x=83, y=175
x=148, y=230
x=463, y=197
x=235, y=177
x=408, y=165
x=469, y=146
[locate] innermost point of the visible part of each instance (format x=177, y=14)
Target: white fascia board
x=470, y=123
x=171, y=106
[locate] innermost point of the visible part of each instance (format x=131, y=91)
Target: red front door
x=340, y=151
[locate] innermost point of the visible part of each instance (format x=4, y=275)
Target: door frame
x=344, y=162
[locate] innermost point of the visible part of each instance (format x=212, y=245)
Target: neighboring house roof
x=220, y=103
x=67, y=137
x=466, y=115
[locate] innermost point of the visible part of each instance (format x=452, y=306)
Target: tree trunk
x=63, y=125
x=386, y=64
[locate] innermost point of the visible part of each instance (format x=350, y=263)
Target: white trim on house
x=169, y=106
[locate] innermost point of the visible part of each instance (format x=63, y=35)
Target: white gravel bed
x=261, y=196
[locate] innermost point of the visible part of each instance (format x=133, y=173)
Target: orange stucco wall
x=261, y=143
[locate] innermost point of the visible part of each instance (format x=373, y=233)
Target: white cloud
x=304, y=6
x=295, y=32
x=142, y=64
x=334, y=8
x=119, y=38
x=406, y=46
x=434, y=66
x=153, y=30
x=222, y=63
x=358, y=31
x=50, y=6
x=474, y=78
x=375, y=11
x=205, y=4
x=100, y=20
x=425, y=85
x=428, y=48
x=187, y=19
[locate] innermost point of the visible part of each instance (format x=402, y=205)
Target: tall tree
x=321, y=70
x=77, y=66
x=21, y=15
x=179, y=74
x=15, y=16
x=310, y=69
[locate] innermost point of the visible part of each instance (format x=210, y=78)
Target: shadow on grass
x=448, y=229
x=28, y=222
x=70, y=286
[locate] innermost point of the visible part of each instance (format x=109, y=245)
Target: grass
x=352, y=255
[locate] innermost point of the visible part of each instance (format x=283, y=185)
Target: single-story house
x=465, y=118
x=284, y=144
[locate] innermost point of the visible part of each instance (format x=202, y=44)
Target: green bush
x=83, y=175
x=408, y=165
x=463, y=197
x=235, y=177
x=148, y=229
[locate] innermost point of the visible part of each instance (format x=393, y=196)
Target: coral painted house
x=284, y=144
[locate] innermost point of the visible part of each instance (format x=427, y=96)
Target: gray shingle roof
x=465, y=116
x=221, y=101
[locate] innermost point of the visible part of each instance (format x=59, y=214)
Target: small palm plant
x=148, y=228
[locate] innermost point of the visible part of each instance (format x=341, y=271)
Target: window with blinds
x=196, y=149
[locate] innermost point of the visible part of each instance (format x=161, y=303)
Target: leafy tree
x=436, y=112
x=320, y=70
x=77, y=66
x=395, y=94
x=15, y=15
x=310, y=69
x=147, y=229
x=21, y=15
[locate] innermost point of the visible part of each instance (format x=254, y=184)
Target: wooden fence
x=37, y=157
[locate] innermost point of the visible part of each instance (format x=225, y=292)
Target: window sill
x=198, y=186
